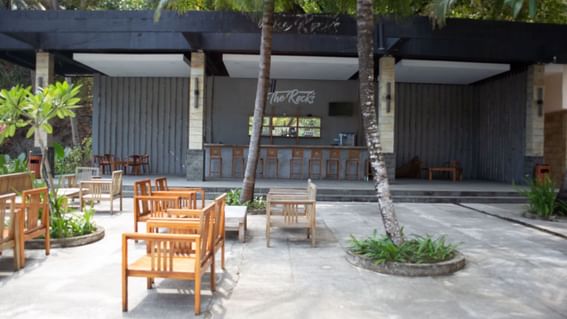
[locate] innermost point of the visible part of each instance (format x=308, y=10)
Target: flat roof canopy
x=446, y=72
x=22, y=33
x=136, y=65
x=292, y=67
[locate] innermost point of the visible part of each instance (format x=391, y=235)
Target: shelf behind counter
x=284, y=157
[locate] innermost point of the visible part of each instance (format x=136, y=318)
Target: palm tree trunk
x=365, y=43
x=260, y=103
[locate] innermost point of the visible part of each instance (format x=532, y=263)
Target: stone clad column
x=387, y=111
x=534, y=118
x=44, y=75
x=196, y=154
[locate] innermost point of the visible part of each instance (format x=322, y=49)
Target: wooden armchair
x=218, y=219
x=102, y=189
x=35, y=208
x=185, y=253
x=292, y=210
x=148, y=205
x=11, y=227
x=161, y=186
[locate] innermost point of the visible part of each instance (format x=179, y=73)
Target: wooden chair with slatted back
x=238, y=162
x=148, y=205
x=145, y=163
x=296, y=163
x=271, y=159
x=215, y=155
x=184, y=253
x=11, y=228
x=219, y=219
x=316, y=162
x=218, y=222
x=102, y=190
x=333, y=164
x=162, y=186
x=35, y=209
x=352, y=164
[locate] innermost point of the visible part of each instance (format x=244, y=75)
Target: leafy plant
x=64, y=223
x=22, y=108
x=259, y=202
x=13, y=165
x=233, y=197
x=542, y=197
x=69, y=158
x=418, y=250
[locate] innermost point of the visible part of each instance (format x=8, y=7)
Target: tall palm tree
x=365, y=45
x=260, y=103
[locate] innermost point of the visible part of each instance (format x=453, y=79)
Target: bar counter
x=284, y=153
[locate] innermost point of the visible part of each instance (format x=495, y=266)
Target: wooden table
x=235, y=220
x=451, y=170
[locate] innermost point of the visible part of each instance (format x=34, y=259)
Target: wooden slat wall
x=437, y=123
x=502, y=125
x=143, y=115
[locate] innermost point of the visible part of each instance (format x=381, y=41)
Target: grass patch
x=418, y=250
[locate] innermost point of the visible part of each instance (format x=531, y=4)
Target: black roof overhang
x=65, y=32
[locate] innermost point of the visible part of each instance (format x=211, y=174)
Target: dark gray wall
x=233, y=102
x=437, y=124
x=501, y=128
x=142, y=115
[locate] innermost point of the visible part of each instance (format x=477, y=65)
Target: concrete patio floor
x=512, y=271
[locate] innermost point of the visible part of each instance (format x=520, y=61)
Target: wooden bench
x=292, y=209
x=185, y=253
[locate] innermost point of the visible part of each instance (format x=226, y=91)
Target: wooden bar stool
x=315, y=161
x=237, y=158
x=296, y=163
x=351, y=165
x=215, y=154
x=271, y=158
x=333, y=164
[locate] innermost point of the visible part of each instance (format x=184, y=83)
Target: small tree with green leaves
x=21, y=108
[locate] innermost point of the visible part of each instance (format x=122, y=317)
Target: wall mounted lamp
x=388, y=96
x=539, y=101
x=196, y=93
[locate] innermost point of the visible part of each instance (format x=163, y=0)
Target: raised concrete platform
x=403, y=190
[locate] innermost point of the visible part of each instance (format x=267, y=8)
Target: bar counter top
x=343, y=147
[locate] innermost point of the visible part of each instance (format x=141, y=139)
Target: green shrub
x=69, y=158
x=542, y=197
x=419, y=250
x=233, y=197
x=65, y=224
x=259, y=202
x=13, y=165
